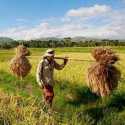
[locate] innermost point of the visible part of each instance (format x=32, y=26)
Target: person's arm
x=39, y=73
x=60, y=66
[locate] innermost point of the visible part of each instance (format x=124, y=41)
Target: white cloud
x=43, y=30
x=89, y=11
x=110, y=25
x=44, y=25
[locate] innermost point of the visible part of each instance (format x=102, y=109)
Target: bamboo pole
x=73, y=59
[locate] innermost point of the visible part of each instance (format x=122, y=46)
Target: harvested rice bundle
x=20, y=65
x=103, y=76
x=104, y=55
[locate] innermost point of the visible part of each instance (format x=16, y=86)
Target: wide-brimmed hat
x=49, y=53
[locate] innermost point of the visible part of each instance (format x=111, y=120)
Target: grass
x=73, y=102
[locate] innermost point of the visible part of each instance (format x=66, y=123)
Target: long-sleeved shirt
x=45, y=71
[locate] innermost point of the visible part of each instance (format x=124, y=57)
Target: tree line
x=66, y=42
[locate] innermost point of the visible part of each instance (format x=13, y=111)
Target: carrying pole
x=73, y=59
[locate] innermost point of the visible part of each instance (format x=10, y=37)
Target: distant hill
x=50, y=38
x=58, y=39
x=5, y=39
x=77, y=39
x=73, y=39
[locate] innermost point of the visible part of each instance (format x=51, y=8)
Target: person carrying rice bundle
x=44, y=75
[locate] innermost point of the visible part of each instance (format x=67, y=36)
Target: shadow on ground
x=107, y=111
x=95, y=111
x=75, y=94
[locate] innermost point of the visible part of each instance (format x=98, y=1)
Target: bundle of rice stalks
x=20, y=65
x=103, y=76
x=104, y=55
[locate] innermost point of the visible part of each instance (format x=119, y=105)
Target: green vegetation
x=7, y=43
x=74, y=104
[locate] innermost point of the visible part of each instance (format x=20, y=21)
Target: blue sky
x=51, y=18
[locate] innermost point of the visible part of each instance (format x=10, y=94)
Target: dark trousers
x=48, y=93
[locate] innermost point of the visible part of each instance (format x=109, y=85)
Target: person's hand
x=65, y=60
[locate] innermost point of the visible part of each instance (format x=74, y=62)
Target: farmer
x=45, y=72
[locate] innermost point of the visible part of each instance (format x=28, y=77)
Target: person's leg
x=48, y=95
x=50, y=99
x=44, y=101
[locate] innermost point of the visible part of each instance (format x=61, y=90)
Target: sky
x=32, y=19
